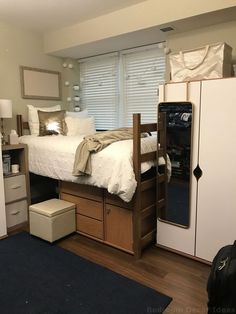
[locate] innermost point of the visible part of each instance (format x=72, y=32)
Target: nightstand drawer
x=15, y=188
x=16, y=213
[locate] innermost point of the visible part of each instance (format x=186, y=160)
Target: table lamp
x=5, y=112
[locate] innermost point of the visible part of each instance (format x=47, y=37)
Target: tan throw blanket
x=95, y=143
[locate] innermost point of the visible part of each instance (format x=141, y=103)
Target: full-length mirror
x=178, y=147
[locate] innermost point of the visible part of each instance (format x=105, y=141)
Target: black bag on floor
x=221, y=286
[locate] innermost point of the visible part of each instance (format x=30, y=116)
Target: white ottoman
x=52, y=219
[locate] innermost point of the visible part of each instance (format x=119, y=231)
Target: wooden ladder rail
x=142, y=209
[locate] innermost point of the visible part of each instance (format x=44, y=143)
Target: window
x=115, y=86
x=143, y=71
x=99, y=81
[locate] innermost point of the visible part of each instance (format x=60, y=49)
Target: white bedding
x=112, y=168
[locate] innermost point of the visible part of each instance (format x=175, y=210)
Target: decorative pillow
x=80, y=126
x=52, y=123
x=33, y=118
x=80, y=114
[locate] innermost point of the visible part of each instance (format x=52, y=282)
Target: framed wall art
x=40, y=83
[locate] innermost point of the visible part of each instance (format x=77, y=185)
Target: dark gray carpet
x=37, y=277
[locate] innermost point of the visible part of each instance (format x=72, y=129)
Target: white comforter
x=112, y=168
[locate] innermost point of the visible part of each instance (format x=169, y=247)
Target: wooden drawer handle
x=16, y=186
x=15, y=213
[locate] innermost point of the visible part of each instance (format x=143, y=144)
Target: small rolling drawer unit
x=16, y=186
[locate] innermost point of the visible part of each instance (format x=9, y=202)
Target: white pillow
x=33, y=118
x=79, y=114
x=80, y=126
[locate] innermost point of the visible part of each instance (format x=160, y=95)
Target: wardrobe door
x=216, y=213
x=169, y=235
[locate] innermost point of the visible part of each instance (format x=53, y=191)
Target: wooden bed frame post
x=19, y=124
x=137, y=171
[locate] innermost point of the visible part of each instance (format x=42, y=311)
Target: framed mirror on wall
x=178, y=117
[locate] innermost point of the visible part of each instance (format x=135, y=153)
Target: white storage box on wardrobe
x=213, y=201
x=208, y=62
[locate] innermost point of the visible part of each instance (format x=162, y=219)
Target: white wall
x=224, y=32
x=72, y=76
x=21, y=47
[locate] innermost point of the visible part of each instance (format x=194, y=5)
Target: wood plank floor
x=181, y=278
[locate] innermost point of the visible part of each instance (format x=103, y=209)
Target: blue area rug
x=38, y=277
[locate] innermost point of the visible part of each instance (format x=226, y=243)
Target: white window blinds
x=99, y=89
x=115, y=86
x=143, y=71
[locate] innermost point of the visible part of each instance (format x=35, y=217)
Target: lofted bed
x=127, y=224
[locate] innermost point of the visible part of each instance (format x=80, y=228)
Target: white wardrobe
x=213, y=196
x=3, y=226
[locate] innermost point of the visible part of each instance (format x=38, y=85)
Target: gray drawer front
x=15, y=188
x=16, y=213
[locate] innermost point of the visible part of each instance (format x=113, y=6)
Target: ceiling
x=147, y=36
x=47, y=15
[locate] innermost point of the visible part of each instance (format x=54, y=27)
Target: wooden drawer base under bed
x=108, y=219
